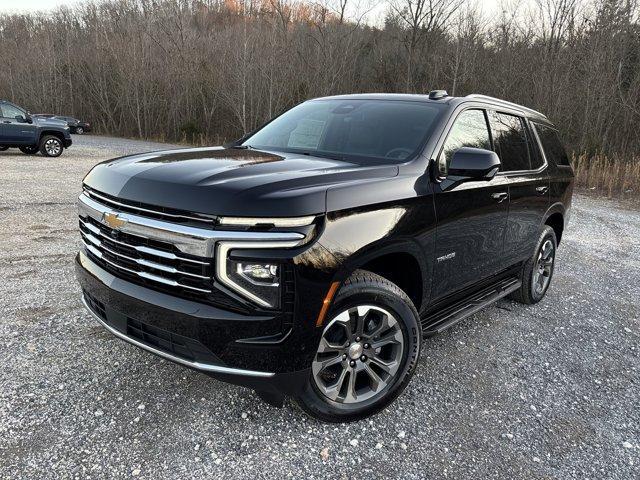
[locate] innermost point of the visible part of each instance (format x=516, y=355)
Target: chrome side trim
x=223, y=274
x=190, y=240
x=205, y=367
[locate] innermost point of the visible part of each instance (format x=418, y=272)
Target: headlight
x=256, y=280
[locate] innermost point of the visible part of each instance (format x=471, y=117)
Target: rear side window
x=469, y=130
x=510, y=141
x=553, y=148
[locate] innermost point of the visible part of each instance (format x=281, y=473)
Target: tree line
x=206, y=71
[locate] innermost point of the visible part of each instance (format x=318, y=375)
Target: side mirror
x=20, y=119
x=470, y=163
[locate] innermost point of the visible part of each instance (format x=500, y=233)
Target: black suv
x=31, y=134
x=312, y=256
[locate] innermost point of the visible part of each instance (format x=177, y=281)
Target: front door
x=471, y=216
x=13, y=130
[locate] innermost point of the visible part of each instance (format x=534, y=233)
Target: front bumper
x=198, y=336
x=67, y=142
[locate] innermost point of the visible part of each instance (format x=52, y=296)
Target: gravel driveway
x=545, y=391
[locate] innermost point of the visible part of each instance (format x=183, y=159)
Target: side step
x=449, y=316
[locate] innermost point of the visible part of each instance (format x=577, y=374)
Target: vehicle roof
x=449, y=100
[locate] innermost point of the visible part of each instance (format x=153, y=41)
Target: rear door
x=471, y=216
x=524, y=169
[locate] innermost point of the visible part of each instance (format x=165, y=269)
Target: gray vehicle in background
x=18, y=129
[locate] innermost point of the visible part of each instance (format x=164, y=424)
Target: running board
x=449, y=316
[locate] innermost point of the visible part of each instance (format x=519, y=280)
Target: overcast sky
x=30, y=5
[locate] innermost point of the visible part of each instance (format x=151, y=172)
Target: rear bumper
x=197, y=336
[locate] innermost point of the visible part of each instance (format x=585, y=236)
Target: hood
x=49, y=122
x=232, y=182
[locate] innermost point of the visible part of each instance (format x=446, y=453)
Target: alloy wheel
x=359, y=355
x=52, y=147
x=543, y=267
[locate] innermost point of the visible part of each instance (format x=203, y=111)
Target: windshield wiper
x=242, y=147
x=323, y=155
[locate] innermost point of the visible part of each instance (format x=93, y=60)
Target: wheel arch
x=55, y=133
x=401, y=263
x=555, y=218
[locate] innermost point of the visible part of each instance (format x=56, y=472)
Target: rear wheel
x=538, y=270
x=2, y=149
x=368, y=351
x=51, y=146
x=30, y=150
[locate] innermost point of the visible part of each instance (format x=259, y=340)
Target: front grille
x=148, y=261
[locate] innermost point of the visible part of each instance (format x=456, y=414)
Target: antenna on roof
x=437, y=94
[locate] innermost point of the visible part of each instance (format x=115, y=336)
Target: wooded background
x=206, y=71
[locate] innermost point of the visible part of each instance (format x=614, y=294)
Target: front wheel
x=51, y=146
x=30, y=150
x=538, y=270
x=368, y=351
x=2, y=148
x=79, y=130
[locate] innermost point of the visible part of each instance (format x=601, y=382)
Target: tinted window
x=9, y=111
x=510, y=141
x=469, y=130
x=383, y=129
x=551, y=144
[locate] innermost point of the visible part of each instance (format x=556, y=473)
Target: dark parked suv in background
x=31, y=135
x=311, y=257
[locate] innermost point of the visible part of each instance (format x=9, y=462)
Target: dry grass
x=612, y=176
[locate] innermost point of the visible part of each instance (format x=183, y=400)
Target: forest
x=206, y=71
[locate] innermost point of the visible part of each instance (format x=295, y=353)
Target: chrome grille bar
x=190, y=240
x=117, y=204
x=140, y=261
x=146, y=275
x=140, y=248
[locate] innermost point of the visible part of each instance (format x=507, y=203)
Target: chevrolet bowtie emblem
x=112, y=220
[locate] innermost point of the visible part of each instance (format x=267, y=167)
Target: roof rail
x=504, y=102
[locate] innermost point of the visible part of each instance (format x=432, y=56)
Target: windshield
x=379, y=129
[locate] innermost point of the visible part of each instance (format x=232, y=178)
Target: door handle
x=6, y=121
x=500, y=196
x=542, y=190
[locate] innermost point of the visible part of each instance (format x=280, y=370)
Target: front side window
x=358, y=129
x=553, y=148
x=510, y=141
x=9, y=111
x=469, y=130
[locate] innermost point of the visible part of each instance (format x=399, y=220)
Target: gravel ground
x=545, y=391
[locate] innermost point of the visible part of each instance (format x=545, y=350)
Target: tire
x=2, y=148
x=30, y=150
x=539, y=266
x=378, y=307
x=51, y=146
x=79, y=130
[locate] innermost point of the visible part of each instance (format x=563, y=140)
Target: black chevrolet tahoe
x=31, y=135
x=311, y=257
